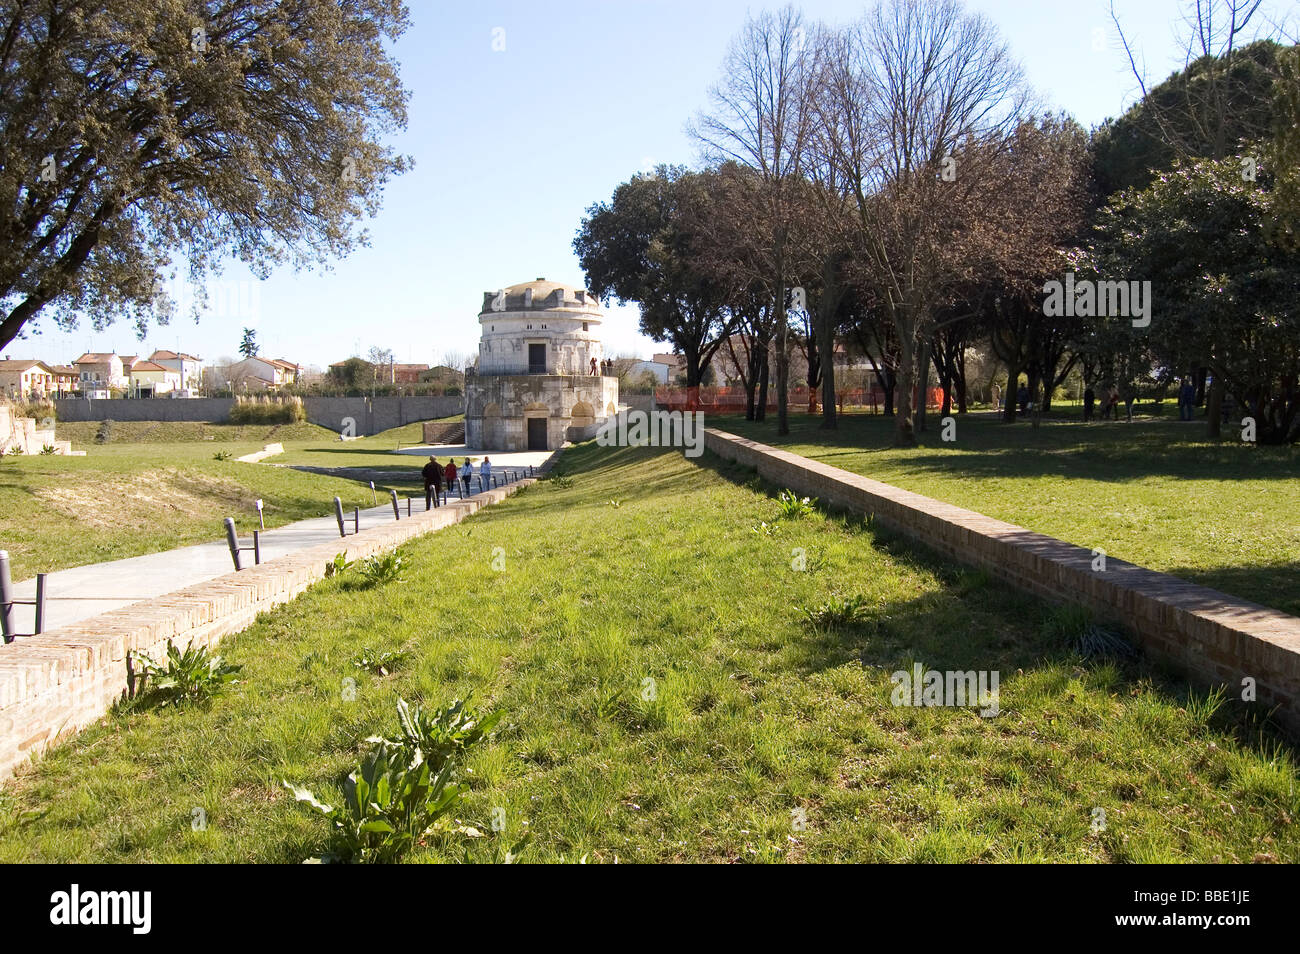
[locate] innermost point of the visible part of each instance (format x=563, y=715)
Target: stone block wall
x=55, y=684
x=1212, y=637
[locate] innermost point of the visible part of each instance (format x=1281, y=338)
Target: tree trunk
x=782, y=365
x=1009, y=398
x=904, y=435
x=1214, y=407
x=760, y=411
x=922, y=383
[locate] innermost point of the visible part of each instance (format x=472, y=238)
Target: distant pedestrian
x=1022, y=398
x=1089, y=402
x=450, y=473
x=466, y=472
x=1186, y=400
x=1111, y=411
x=432, y=474
x=995, y=397
x=593, y=367
x=485, y=472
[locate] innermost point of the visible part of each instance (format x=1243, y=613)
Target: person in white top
x=485, y=472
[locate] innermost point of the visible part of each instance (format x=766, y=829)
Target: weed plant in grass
x=665, y=699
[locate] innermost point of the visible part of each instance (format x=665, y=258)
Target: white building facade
x=539, y=379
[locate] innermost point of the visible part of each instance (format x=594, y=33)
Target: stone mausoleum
x=532, y=388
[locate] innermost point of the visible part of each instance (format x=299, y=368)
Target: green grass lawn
x=1155, y=493
x=156, y=486
x=644, y=566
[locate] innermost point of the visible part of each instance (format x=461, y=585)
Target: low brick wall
x=55, y=684
x=1212, y=637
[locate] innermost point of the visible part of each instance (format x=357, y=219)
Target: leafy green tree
x=1225, y=296
x=248, y=343
x=134, y=132
x=1203, y=111
x=642, y=247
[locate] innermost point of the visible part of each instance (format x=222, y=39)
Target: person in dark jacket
x=466, y=472
x=450, y=474
x=1089, y=402
x=432, y=474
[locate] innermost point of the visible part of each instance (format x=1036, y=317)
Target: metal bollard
x=408, y=506
x=397, y=514
x=257, y=547
x=40, y=603
x=233, y=542
x=356, y=520
x=6, y=599
x=338, y=513
x=374, y=499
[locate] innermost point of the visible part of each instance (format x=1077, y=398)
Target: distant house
x=26, y=380
x=258, y=373
x=149, y=379
x=98, y=373
x=66, y=380
x=187, y=366
x=407, y=373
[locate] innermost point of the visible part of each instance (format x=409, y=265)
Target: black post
x=233, y=542
x=40, y=603
x=338, y=512
x=6, y=599
x=356, y=520
x=257, y=547
x=408, y=506
x=397, y=514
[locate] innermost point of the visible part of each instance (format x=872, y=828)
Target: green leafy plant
x=389, y=804
x=381, y=568
x=443, y=735
x=222, y=455
x=403, y=789
x=339, y=564
x=836, y=612
x=15, y=451
x=47, y=449
x=766, y=529
x=560, y=481
x=380, y=663
x=189, y=676
x=793, y=507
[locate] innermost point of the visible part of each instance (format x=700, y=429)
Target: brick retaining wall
x=55, y=684
x=1212, y=637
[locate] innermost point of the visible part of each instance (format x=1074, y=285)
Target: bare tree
x=758, y=120
x=915, y=82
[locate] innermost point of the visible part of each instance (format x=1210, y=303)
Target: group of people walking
x=1110, y=400
x=602, y=368
x=436, y=476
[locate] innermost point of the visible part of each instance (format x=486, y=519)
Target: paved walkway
x=75, y=594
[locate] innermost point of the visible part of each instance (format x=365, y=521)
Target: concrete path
x=78, y=593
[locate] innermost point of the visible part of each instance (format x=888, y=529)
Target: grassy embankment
x=666, y=700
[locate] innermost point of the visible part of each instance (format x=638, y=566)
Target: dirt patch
x=119, y=501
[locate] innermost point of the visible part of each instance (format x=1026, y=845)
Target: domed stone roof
x=544, y=296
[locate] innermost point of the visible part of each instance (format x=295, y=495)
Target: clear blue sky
x=512, y=146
